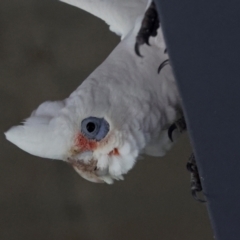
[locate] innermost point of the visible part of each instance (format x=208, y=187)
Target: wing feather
x=119, y=14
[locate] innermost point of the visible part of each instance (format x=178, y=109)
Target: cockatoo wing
x=119, y=14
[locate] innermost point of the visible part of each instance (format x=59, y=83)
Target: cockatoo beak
x=84, y=162
x=87, y=171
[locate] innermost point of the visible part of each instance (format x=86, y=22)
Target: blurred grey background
x=47, y=48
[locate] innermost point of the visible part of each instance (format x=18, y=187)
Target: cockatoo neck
x=131, y=97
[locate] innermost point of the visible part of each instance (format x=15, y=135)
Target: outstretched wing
x=119, y=14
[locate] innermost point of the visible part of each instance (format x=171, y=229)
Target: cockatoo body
x=121, y=110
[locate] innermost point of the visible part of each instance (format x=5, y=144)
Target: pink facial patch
x=85, y=144
x=114, y=152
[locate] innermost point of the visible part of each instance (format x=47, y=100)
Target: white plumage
x=136, y=103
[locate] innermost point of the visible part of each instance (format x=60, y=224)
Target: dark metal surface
x=203, y=41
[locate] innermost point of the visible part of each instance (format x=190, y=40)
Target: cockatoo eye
x=94, y=128
x=90, y=127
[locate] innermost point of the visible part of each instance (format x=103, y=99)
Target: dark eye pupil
x=90, y=127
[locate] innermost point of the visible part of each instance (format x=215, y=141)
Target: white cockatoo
x=123, y=109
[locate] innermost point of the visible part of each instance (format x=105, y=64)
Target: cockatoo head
x=82, y=131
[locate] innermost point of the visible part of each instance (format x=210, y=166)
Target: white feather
x=119, y=14
x=125, y=90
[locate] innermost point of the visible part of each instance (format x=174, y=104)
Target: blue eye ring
x=94, y=128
